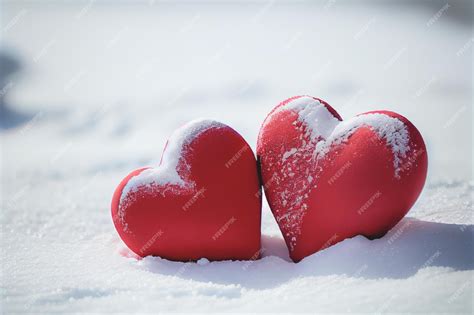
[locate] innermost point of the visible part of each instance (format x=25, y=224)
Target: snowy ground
x=102, y=86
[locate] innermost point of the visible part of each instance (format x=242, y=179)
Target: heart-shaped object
x=327, y=180
x=202, y=201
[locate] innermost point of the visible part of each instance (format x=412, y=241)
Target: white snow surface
x=104, y=85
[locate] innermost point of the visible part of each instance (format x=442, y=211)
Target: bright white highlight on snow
x=314, y=115
x=167, y=171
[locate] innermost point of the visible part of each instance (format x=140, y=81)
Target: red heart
x=327, y=180
x=203, y=201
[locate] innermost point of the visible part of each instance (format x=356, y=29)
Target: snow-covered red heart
x=327, y=179
x=202, y=201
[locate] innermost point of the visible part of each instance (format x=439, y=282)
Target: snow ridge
x=326, y=130
x=393, y=130
x=311, y=112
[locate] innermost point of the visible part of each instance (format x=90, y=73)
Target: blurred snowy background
x=91, y=90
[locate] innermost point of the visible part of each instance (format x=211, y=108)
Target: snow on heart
x=167, y=172
x=326, y=130
x=391, y=129
x=318, y=120
x=320, y=131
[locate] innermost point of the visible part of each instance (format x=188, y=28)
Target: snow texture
x=327, y=131
x=103, y=87
x=167, y=172
x=392, y=130
x=319, y=121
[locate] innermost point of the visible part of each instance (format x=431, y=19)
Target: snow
x=319, y=121
x=202, y=261
x=327, y=131
x=103, y=86
x=392, y=130
x=289, y=153
x=167, y=171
